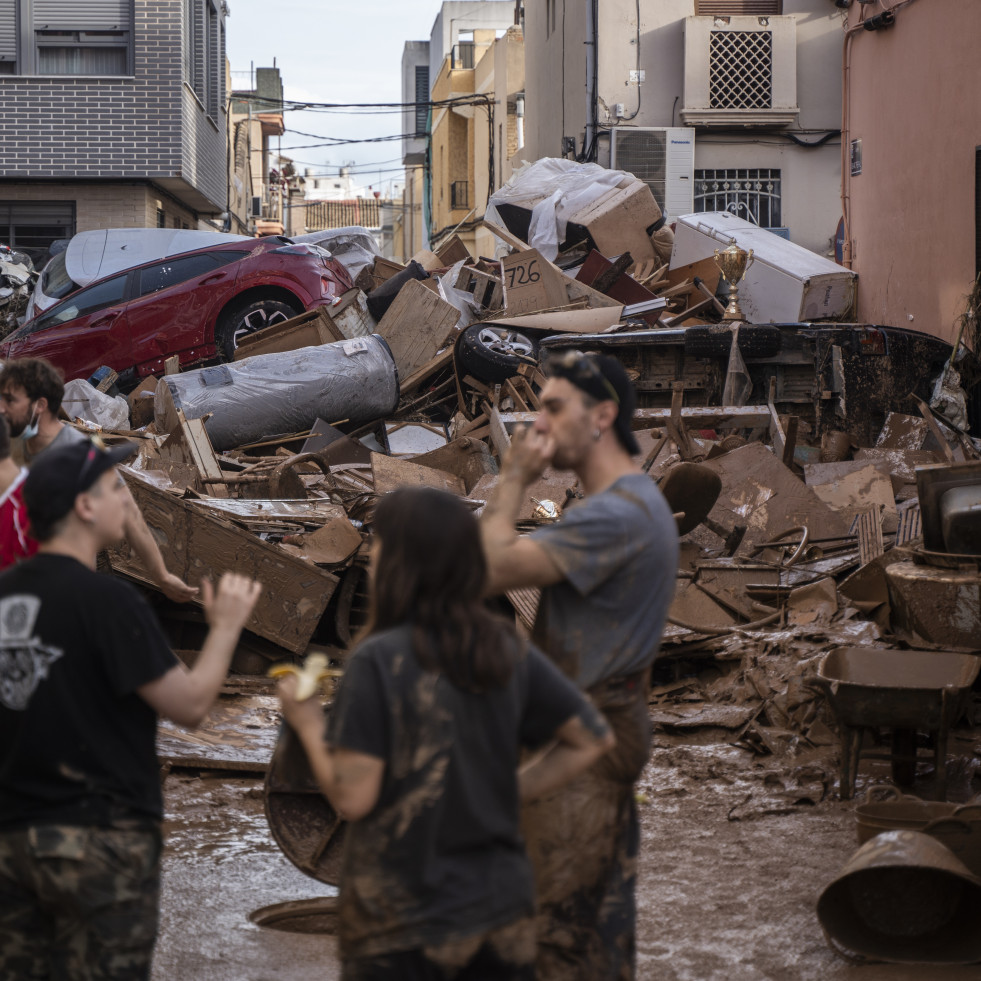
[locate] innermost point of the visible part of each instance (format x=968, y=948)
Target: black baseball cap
x=59, y=475
x=602, y=378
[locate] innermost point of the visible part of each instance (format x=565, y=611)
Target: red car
x=195, y=305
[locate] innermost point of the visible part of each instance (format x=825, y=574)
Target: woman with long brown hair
x=421, y=756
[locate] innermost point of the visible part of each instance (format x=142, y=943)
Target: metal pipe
x=519, y=113
x=592, y=62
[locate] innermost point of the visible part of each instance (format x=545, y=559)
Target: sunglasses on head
x=94, y=453
x=578, y=366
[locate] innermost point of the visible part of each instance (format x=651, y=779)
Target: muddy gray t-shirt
x=440, y=857
x=618, y=551
x=66, y=436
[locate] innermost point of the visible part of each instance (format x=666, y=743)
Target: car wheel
x=493, y=354
x=247, y=318
x=755, y=341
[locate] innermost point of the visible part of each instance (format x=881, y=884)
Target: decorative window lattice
x=752, y=193
x=741, y=70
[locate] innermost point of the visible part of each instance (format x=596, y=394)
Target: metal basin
x=302, y=822
x=870, y=686
x=904, y=898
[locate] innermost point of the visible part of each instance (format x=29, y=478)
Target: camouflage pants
x=78, y=903
x=583, y=843
x=504, y=954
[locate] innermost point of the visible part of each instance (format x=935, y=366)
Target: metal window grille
x=459, y=195
x=422, y=98
x=741, y=69
x=738, y=8
x=753, y=194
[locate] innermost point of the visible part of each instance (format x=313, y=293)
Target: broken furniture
x=905, y=691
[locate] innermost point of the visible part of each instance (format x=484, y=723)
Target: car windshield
x=55, y=281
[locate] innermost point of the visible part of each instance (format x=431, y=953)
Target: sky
x=328, y=51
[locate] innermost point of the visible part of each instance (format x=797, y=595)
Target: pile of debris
x=17, y=277
x=797, y=536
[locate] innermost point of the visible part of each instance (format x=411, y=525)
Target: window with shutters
x=65, y=37
x=204, y=54
x=422, y=99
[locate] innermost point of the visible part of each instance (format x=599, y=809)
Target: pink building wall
x=911, y=95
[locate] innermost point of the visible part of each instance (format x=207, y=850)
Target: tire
x=755, y=341
x=247, y=318
x=493, y=354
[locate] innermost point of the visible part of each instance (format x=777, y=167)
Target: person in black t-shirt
x=422, y=752
x=84, y=672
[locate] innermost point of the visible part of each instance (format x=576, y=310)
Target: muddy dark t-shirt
x=77, y=744
x=441, y=856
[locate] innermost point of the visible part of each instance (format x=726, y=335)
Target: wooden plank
x=791, y=440
x=442, y=360
x=531, y=284
x=777, y=435
x=695, y=416
x=416, y=326
x=869, y=535
x=391, y=472
x=500, y=439
x=504, y=235
x=519, y=403
x=172, y=365
x=910, y=524
x=196, y=544
x=189, y=447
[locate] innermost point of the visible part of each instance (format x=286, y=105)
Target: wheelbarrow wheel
x=903, y=756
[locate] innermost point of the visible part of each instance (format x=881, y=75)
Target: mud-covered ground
x=736, y=849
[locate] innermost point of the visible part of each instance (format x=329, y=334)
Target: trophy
x=733, y=262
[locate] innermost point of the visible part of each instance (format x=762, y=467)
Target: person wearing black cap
x=84, y=673
x=607, y=573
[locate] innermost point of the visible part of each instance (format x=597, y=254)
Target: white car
x=103, y=251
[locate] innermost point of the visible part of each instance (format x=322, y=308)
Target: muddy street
x=731, y=868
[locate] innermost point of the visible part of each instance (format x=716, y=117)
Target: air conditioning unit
x=740, y=71
x=256, y=210
x=663, y=158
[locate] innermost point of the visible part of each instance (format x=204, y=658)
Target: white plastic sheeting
x=272, y=394
x=555, y=190
x=83, y=401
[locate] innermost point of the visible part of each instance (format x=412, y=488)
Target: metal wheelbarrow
x=905, y=691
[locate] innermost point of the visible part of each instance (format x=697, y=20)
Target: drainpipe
x=519, y=112
x=592, y=43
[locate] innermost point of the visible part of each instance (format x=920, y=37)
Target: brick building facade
x=113, y=112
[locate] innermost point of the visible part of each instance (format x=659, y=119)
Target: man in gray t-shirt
x=607, y=572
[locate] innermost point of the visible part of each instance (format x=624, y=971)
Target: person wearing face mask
x=31, y=390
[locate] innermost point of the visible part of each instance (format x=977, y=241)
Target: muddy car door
x=83, y=331
x=176, y=299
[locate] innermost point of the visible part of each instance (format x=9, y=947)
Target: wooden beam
x=694, y=416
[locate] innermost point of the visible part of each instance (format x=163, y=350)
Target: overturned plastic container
x=274, y=394
x=902, y=898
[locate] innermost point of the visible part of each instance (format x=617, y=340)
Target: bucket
x=956, y=826
x=903, y=897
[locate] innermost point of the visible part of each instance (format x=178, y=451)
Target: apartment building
x=446, y=147
x=717, y=104
x=113, y=114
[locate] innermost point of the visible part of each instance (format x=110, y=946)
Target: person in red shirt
x=15, y=541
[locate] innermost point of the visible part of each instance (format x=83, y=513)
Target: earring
x=596, y=434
